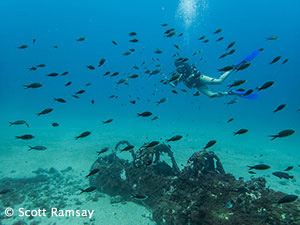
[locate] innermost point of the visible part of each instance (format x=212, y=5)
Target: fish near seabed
x=283, y=133
x=18, y=122
x=174, y=138
x=210, y=144
x=84, y=134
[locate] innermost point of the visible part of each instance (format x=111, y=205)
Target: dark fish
x=237, y=83
x=275, y=59
x=132, y=34
x=65, y=73
x=164, y=24
x=169, y=30
x=55, y=46
x=196, y=52
x=19, y=122
x=233, y=101
x=45, y=111
x=127, y=148
x=90, y=67
x=133, y=76
x=33, y=85
x=55, y=124
x=265, y=85
x=94, y=171
x=226, y=68
x=127, y=53
x=22, y=47
x=175, y=138
x=103, y=150
x=114, y=74
x=241, y=131
x=134, y=40
x=206, y=41
x=52, y=74
x=174, y=92
x=201, y=38
x=80, y=39
x=75, y=96
x=80, y=92
x=176, y=46
x=272, y=38
x=155, y=118
x=218, y=31
x=289, y=168
x=287, y=199
x=259, y=167
x=285, y=61
x=25, y=137
x=249, y=92
x=41, y=65
x=106, y=73
x=281, y=134
x=174, y=77
x=115, y=43
x=121, y=81
x=38, y=148
x=152, y=144
x=243, y=66
x=231, y=52
x=84, y=134
x=158, y=51
x=230, y=120
x=230, y=45
x=68, y=83
x=93, y=101
x=32, y=68
x=162, y=100
x=90, y=189
x=132, y=50
x=61, y=100
x=251, y=172
x=209, y=144
x=33, y=41
x=139, y=197
x=155, y=72
x=107, y=121
x=282, y=175
x=88, y=84
x=280, y=107
x=222, y=56
x=170, y=34
x=133, y=102
x=220, y=39
x=144, y=114
x=101, y=62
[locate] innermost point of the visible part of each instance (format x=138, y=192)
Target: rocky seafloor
x=201, y=193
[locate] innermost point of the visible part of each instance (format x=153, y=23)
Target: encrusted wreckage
x=202, y=193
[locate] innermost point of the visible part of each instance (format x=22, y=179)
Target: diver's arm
x=204, y=90
x=209, y=80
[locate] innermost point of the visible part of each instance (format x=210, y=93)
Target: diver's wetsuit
x=192, y=78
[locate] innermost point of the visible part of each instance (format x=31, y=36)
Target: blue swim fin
x=253, y=95
x=248, y=58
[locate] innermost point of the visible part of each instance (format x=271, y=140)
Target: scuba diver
x=192, y=78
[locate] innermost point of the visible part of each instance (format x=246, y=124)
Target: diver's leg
x=209, y=80
x=204, y=89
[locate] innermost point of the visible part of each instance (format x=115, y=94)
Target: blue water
x=60, y=23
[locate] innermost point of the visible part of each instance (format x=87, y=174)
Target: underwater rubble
x=201, y=193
